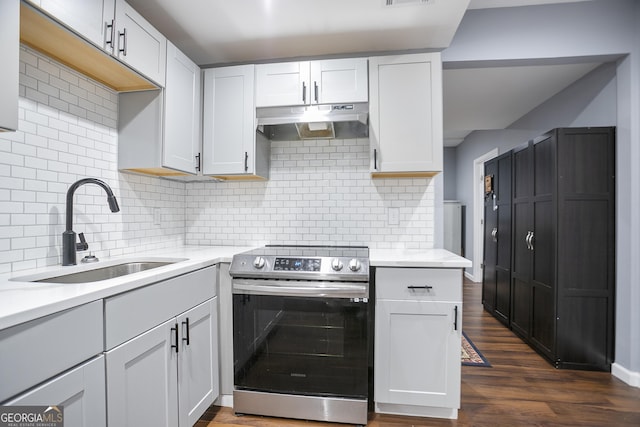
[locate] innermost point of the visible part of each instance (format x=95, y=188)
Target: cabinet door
x=282, y=84
x=9, y=71
x=181, y=112
x=139, y=44
x=406, y=113
x=142, y=380
x=229, y=121
x=417, y=354
x=490, y=239
x=198, y=384
x=89, y=18
x=339, y=80
x=80, y=391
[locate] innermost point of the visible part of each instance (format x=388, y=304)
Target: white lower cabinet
x=418, y=328
x=80, y=391
x=168, y=375
x=142, y=387
x=198, y=372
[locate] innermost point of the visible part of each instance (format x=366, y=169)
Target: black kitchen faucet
x=69, y=245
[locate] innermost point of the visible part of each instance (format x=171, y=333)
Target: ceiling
x=215, y=32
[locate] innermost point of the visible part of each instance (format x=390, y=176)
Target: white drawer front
x=37, y=350
x=132, y=313
x=419, y=284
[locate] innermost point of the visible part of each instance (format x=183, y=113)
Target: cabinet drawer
x=132, y=313
x=394, y=283
x=37, y=350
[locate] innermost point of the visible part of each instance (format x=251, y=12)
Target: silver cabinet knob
x=336, y=264
x=258, y=262
x=354, y=265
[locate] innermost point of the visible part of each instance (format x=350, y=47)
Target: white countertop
x=22, y=301
x=428, y=258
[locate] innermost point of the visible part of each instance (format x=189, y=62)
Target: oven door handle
x=317, y=289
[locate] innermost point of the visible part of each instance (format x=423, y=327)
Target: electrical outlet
x=157, y=216
x=394, y=216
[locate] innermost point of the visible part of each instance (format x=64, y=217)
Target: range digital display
x=297, y=264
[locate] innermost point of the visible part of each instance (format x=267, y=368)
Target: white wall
x=67, y=131
x=320, y=192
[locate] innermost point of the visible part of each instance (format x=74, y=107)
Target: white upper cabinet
x=311, y=82
x=231, y=145
x=92, y=19
x=139, y=44
x=339, y=80
x=9, y=71
x=405, y=115
x=112, y=25
x=159, y=130
x=181, y=112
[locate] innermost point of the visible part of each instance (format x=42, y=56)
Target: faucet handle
x=83, y=245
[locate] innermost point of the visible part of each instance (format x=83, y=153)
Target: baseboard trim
x=470, y=277
x=630, y=377
x=224, y=400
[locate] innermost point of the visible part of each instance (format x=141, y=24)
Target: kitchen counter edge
x=425, y=258
x=22, y=301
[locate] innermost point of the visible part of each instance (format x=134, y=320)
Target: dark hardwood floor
x=520, y=389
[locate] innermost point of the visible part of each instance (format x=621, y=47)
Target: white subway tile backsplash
x=319, y=191
x=67, y=131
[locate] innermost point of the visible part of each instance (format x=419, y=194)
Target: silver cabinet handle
x=529, y=240
x=494, y=234
x=304, y=93
x=315, y=91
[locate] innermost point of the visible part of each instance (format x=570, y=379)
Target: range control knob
x=336, y=264
x=258, y=262
x=354, y=265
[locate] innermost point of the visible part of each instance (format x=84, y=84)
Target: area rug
x=470, y=354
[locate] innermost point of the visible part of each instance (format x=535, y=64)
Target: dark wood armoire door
x=490, y=238
x=503, y=236
x=496, y=277
x=521, y=219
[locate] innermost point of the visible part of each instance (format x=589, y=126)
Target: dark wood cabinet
x=496, y=273
x=563, y=259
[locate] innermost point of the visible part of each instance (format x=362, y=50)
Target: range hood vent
x=338, y=121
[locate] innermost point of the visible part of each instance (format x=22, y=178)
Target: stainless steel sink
x=104, y=273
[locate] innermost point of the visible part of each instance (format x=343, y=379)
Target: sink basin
x=96, y=272
x=105, y=273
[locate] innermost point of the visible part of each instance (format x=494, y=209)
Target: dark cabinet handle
x=110, y=30
x=315, y=90
x=246, y=161
x=427, y=287
x=455, y=318
x=175, y=329
x=198, y=162
x=375, y=159
x=186, y=323
x=304, y=93
x=123, y=49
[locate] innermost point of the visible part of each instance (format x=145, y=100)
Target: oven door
x=300, y=338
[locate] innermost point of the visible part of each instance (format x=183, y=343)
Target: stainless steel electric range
x=300, y=332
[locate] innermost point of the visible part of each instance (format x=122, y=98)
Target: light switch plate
x=157, y=216
x=394, y=216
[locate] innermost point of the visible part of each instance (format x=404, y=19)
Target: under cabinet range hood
x=337, y=121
